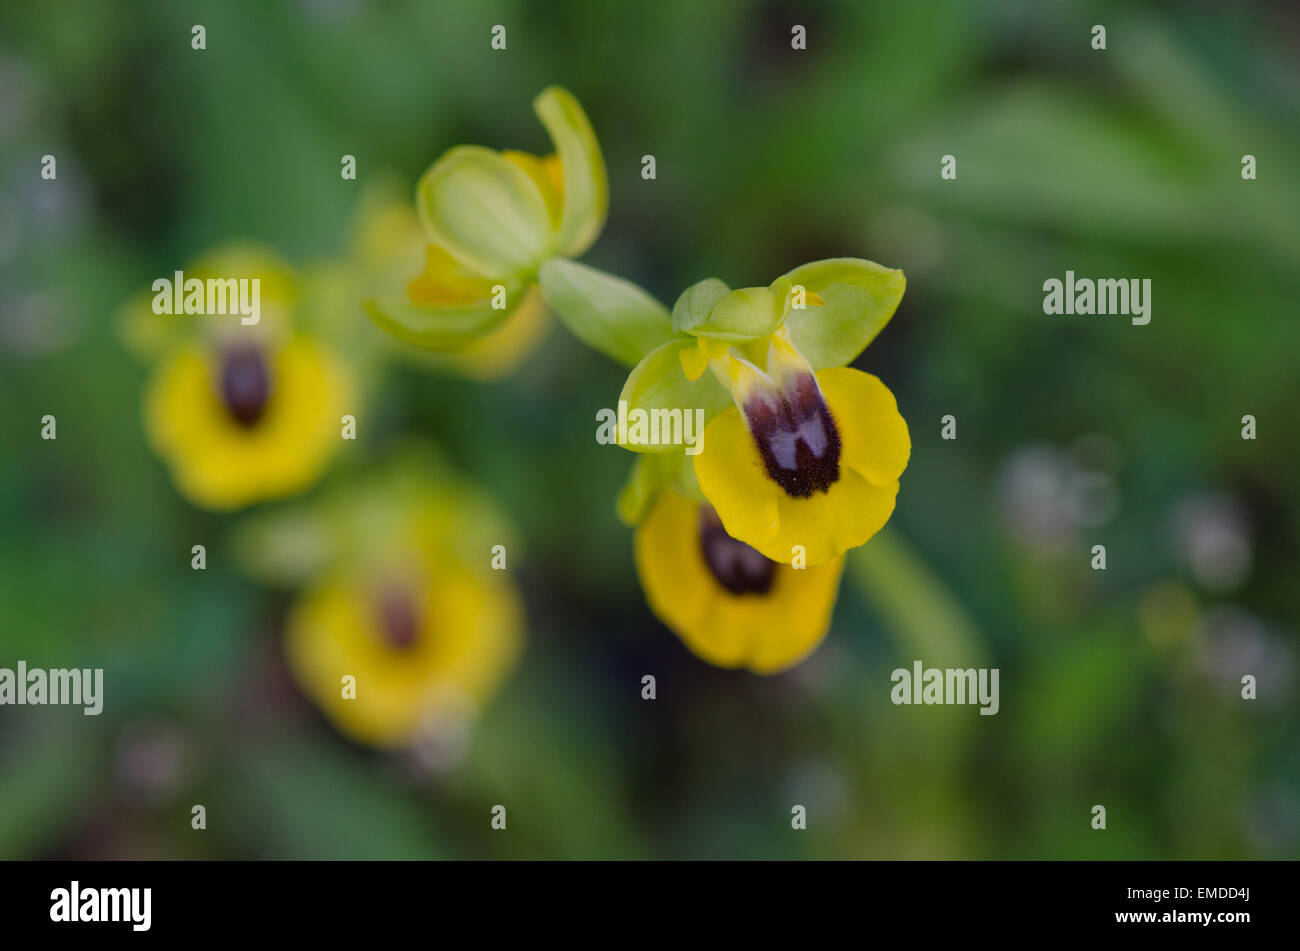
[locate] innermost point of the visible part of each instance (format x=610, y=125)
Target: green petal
x=744, y=314
x=659, y=383
x=586, y=188
x=697, y=301
x=605, y=312
x=485, y=211
x=860, y=297
x=444, y=328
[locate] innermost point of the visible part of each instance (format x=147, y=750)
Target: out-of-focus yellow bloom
x=403, y=630
x=487, y=222
x=241, y=413
x=244, y=425
x=728, y=603
x=391, y=243
x=423, y=648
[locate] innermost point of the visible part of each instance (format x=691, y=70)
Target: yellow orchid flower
x=402, y=631
x=427, y=647
x=247, y=424
x=805, y=462
x=241, y=413
x=801, y=456
x=728, y=603
x=489, y=221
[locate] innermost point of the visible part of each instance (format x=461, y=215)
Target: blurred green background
x=1119, y=688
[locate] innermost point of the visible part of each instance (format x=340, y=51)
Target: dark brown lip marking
x=797, y=438
x=733, y=564
x=245, y=384
x=399, y=621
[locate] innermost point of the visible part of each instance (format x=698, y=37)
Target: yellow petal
x=695, y=360
x=764, y=632
x=828, y=524
x=873, y=435
x=446, y=281
x=733, y=478
x=553, y=169
x=547, y=174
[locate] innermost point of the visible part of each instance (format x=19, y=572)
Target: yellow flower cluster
x=400, y=629
x=740, y=545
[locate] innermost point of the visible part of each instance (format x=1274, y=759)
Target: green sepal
x=605, y=312
x=586, y=186
x=442, y=328
x=859, y=299
x=485, y=211
x=658, y=382
x=696, y=302
x=748, y=313
x=650, y=475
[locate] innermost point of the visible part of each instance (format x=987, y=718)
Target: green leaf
x=605, y=312
x=696, y=302
x=586, y=188
x=485, y=211
x=860, y=297
x=658, y=382
x=442, y=328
